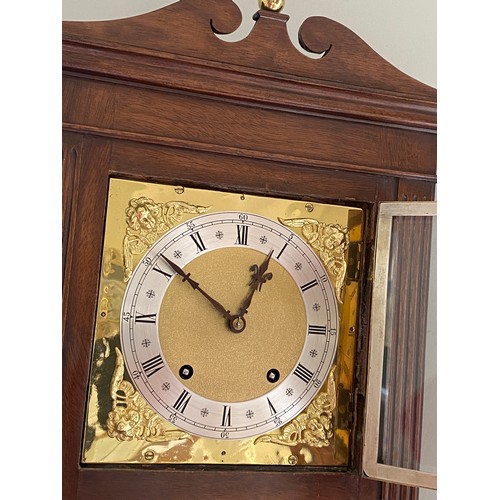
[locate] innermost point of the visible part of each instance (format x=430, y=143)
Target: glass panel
x=425, y=494
x=400, y=419
x=407, y=425
x=428, y=457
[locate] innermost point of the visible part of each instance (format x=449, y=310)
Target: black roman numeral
x=271, y=407
x=226, y=416
x=200, y=246
x=145, y=318
x=242, y=235
x=161, y=271
x=182, y=401
x=281, y=251
x=316, y=330
x=303, y=373
x=153, y=365
x=309, y=285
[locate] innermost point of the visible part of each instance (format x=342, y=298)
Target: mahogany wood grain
x=81, y=285
x=248, y=85
x=349, y=60
x=246, y=175
x=216, y=123
x=179, y=484
x=160, y=98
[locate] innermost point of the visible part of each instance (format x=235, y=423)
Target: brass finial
x=275, y=5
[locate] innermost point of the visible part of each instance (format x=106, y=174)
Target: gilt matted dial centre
x=229, y=325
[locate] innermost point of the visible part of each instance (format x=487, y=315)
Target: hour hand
x=259, y=277
x=187, y=277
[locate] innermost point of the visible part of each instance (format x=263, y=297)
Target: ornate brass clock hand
x=235, y=323
x=259, y=277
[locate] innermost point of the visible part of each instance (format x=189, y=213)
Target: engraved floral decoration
x=314, y=427
x=331, y=241
x=147, y=221
x=131, y=417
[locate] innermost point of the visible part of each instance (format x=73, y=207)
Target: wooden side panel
x=81, y=286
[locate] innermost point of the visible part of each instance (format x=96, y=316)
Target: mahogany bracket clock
x=220, y=204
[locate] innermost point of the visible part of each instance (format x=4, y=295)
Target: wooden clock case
x=160, y=97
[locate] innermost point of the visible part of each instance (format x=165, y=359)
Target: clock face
x=229, y=325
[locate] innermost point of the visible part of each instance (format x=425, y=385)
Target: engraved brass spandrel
x=147, y=221
x=131, y=417
x=103, y=419
x=331, y=241
x=313, y=427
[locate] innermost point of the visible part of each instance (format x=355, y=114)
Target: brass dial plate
x=121, y=427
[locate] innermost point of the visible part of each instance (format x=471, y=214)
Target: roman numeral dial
x=180, y=352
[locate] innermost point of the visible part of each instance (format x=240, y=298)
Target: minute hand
x=258, y=279
x=196, y=286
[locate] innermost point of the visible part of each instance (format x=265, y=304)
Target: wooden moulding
x=177, y=47
x=185, y=121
